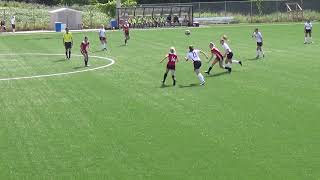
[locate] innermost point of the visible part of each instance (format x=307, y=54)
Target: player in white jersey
x=103, y=37
x=13, y=23
x=307, y=31
x=257, y=34
x=228, y=55
x=193, y=55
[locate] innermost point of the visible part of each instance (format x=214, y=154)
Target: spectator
x=169, y=19
x=3, y=26
x=13, y=24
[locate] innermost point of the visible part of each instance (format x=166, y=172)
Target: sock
x=235, y=61
x=305, y=39
x=125, y=41
x=258, y=53
x=201, y=78
x=104, y=46
x=164, y=77
x=209, y=68
x=174, y=80
x=262, y=52
x=69, y=54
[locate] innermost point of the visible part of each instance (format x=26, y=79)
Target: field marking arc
x=56, y=74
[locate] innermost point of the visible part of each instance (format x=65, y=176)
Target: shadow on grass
x=96, y=51
x=79, y=67
x=60, y=60
x=253, y=59
x=189, y=86
x=41, y=38
x=218, y=74
x=167, y=86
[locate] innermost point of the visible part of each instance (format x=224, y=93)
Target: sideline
x=56, y=74
x=152, y=29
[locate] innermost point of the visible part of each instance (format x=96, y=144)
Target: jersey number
x=194, y=54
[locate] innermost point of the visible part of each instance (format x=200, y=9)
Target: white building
x=72, y=18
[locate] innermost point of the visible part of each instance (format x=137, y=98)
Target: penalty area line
x=56, y=74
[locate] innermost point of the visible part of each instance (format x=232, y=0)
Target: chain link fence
x=37, y=17
x=274, y=10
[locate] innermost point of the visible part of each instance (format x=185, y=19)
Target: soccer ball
x=187, y=32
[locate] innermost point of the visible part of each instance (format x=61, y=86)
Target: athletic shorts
x=13, y=26
x=102, y=38
x=259, y=44
x=171, y=67
x=127, y=33
x=197, y=64
x=230, y=55
x=83, y=51
x=219, y=58
x=68, y=45
x=308, y=31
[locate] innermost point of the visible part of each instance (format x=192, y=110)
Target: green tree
x=110, y=7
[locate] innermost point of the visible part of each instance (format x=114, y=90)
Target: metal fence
x=251, y=8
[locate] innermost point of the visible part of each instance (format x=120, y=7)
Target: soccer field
x=118, y=123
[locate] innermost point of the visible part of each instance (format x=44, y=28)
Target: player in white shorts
x=103, y=37
x=258, y=35
x=228, y=54
x=307, y=31
x=193, y=55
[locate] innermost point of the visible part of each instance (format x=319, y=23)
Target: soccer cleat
x=240, y=63
x=263, y=55
x=174, y=83
x=207, y=72
x=202, y=83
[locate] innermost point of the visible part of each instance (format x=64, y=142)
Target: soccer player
x=13, y=24
x=257, y=34
x=307, y=31
x=193, y=55
x=219, y=58
x=171, y=65
x=68, y=42
x=103, y=37
x=84, y=48
x=126, y=32
x=228, y=54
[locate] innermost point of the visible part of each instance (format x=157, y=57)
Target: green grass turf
x=260, y=122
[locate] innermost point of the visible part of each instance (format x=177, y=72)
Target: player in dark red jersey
x=84, y=48
x=171, y=65
x=126, y=32
x=219, y=58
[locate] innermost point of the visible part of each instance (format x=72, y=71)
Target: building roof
x=63, y=9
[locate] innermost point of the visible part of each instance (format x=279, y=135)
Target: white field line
x=56, y=74
x=167, y=28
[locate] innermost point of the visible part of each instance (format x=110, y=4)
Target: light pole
x=118, y=13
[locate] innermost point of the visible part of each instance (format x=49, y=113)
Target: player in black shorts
x=307, y=32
